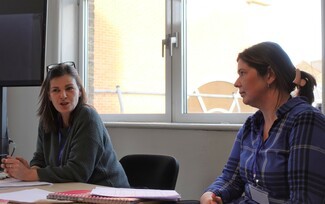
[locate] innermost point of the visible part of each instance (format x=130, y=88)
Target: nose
x=63, y=95
x=237, y=84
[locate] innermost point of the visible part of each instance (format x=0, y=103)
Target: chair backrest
x=151, y=171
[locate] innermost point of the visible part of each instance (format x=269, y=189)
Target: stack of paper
x=12, y=182
x=151, y=194
x=25, y=196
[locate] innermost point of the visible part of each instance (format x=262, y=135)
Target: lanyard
x=62, y=141
x=258, y=149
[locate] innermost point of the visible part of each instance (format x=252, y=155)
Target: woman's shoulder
x=299, y=106
x=303, y=113
x=87, y=111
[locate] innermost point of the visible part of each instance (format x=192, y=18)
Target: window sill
x=179, y=126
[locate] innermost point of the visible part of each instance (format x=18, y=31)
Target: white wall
x=22, y=119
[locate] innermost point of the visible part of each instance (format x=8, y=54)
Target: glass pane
x=217, y=31
x=126, y=70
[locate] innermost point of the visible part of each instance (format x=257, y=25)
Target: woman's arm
x=38, y=158
x=229, y=185
x=306, y=169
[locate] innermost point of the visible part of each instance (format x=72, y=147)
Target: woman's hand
x=18, y=168
x=210, y=198
x=23, y=161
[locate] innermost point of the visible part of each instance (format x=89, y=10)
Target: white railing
x=234, y=96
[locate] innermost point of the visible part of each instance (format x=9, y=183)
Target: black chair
x=151, y=171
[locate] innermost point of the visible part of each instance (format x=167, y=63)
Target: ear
x=270, y=77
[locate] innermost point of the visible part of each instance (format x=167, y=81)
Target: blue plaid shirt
x=289, y=165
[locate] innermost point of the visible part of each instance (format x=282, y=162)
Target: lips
x=242, y=93
x=64, y=103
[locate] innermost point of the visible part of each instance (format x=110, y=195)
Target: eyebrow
x=67, y=85
x=71, y=84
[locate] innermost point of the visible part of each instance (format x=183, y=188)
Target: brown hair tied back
x=305, y=84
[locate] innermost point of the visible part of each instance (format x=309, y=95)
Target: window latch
x=170, y=42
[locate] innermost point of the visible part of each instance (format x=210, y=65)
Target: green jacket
x=87, y=156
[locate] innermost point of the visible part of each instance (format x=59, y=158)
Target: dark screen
x=22, y=42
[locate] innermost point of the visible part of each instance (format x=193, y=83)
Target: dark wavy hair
x=267, y=55
x=49, y=116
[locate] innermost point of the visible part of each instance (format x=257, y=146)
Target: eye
x=241, y=73
x=70, y=88
x=55, y=90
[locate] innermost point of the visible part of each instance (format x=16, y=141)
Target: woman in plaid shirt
x=279, y=153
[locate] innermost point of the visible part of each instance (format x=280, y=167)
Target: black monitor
x=22, y=42
x=22, y=51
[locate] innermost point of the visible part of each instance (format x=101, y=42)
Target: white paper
x=136, y=193
x=25, y=196
x=12, y=182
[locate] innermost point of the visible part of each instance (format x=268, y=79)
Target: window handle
x=170, y=42
x=173, y=42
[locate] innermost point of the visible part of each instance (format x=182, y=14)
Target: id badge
x=259, y=195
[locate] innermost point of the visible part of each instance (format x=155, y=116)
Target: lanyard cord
x=62, y=141
x=258, y=149
x=61, y=145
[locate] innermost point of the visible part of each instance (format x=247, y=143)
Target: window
x=126, y=69
x=163, y=60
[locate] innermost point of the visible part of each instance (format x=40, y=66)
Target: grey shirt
x=87, y=153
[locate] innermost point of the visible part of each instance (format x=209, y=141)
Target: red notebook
x=84, y=196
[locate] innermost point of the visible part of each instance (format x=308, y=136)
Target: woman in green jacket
x=73, y=144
